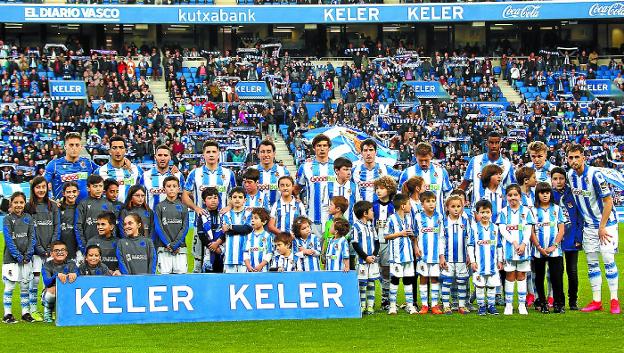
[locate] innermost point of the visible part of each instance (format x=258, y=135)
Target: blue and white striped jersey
x=365, y=178
x=258, y=200
x=285, y=213
x=401, y=248
x=382, y=213
x=308, y=262
x=589, y=189
x=337, y=251
x=528, y=199
x=365, y=235
x=258, y=248
x=516, y=226
x=415, y=209
x=542, y=174
x=153, y=180
x=288, y=263
x=235, y=244
x=201, y=177
x=436, y=180
x=349, y=191
x=484, y=248
x=476, y=165
x=429, y=230
x=497, y=198
x=125, y=178
x=456, y=234
x=267, y=184
x=317, y=179
x=546, y=228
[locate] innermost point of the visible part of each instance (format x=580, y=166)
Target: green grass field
x=572, y=332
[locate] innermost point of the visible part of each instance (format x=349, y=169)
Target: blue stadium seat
x=519, y=84
x=523, y=90
x=532, y=89
x=178, y=75
x=186, y=70
x=497, y=70
x=544, y=95
x=603, y=67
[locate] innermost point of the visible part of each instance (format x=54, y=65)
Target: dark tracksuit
x=108, y=248
x=86, y=219
x=136, y=256
x=51, y=270
x=99, y=270
x=171, y=221
x=68, y=233
x=19, y=238
x=573, y=234
x=48, y=225
x=208, y=230
x=147, y=217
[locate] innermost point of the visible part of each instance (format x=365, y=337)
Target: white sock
x=595, y=275
x=509, y=292
x=611, y=272
x=522, y=292
x=435, y=293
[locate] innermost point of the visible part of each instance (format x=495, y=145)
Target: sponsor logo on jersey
x=220, y=188
x=268, y=187
x=47, y=222
x=581, y=192
x=157, y=191
x=167, y=221
x=20, y=235
x=512, y=227
x=74, y=176
x=429, y=229
x=322, y=179
x=546, y=224
x=432, y=187
x=486, y=242
x=366, y=184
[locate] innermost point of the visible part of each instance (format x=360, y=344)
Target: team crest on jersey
x=105, y=207
x=145, y=213
x=82, y=164
x=222, y=177
x=178, y=208
x=570, y=205
x=142, y=243
x=26, y=220
x=336, y=246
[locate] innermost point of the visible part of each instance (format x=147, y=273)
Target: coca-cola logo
x=615, y=9
x=527, y=11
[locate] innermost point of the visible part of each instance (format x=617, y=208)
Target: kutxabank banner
x=110, y=300
x=321, y=14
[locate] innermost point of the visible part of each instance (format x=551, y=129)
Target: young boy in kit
x=56, y=268
x=254, y=198
x=338, y=205
x=106, y=240
x=236, y=226
x=337, y=254
x=428, y=230
x=171, y=221
x=401, y=243
x=259, y=245
x=111, y=192
x=88, y=211
x=485, y=255
x=383, y=208
x=366, y=244
x=284, y=259
x=344, y=186
x=526, y=178
x=207, y=245
x=286, y=209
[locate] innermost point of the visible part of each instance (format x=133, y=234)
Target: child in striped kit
x=306, y=245
x=485, y=255
x=235, y=226
x=259, y=245
x=428, y=230
x=400, y=236
x=366, y=245
x=286, y=209
x=516, y=228
x=549, y=230
x=453, y=254
x=337, y=253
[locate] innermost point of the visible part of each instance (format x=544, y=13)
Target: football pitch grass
x=569, y=332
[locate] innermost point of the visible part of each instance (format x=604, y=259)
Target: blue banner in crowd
x=426, y=89
x=68, y=89
x=253, y=90
x=331, y=14
x=207, y=297
x=599, y=87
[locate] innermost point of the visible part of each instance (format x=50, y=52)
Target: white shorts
x=591, y=242
x=486, y=281
x=234, y=269
x=169, y=263
x=15, y=272
x=368, y=272
x=517, y=266
x=37, y=263
x=384, y=254
x=428, y=270
x=402, y=270
x=455, y=270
